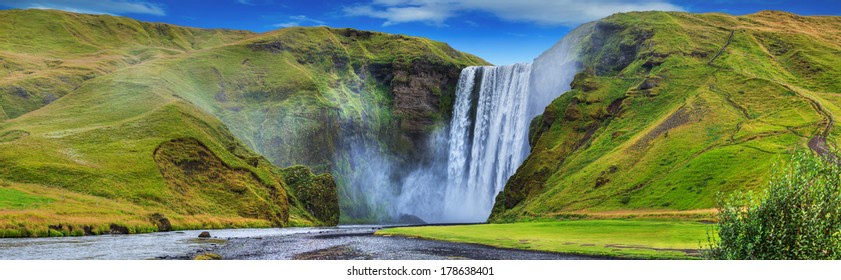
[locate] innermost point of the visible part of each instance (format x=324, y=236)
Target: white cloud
x=287, y=24
x=91, y=6
x=298, y=21
x=400, y=13
x=542, y=12
x=246, y=2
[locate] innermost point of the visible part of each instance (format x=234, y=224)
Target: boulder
x=118, y=229
x=161, y=222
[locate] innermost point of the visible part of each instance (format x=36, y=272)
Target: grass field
x=15, y=199
x=637, y=239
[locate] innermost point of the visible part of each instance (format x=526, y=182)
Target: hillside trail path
x=818, y=142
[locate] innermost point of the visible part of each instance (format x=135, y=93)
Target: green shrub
x=145, y=228
x=100, y=229
x=11, y=233
x=55, y=233
x=41, y=232
x=798, y=217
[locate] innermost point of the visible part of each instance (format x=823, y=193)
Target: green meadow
x=635, y=239
x=15, y=199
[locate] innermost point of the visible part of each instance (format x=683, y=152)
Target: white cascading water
x=489, y=144
x=486, y=142
x=480, y=161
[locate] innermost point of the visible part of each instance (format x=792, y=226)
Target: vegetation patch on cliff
x=315, y=194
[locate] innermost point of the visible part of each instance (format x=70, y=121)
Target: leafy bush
x=798, y=217
x=11, y=233
x=55, y=233
x=77, y=232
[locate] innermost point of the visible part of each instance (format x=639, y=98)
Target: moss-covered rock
x=317, y=194
x=161, y=222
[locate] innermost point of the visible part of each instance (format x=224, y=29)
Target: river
x=343, y=242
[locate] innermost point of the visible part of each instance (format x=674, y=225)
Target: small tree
x=797, y=218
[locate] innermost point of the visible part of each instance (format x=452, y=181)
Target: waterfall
x=489, y=130
x=487, y=142
x=484, y=144
x=488, y=138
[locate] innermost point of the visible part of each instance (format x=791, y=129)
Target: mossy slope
x=310, y=96
x=291, y=92
x=117, y=123
x=658, y=120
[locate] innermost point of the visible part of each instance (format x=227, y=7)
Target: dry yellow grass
x=71, y=213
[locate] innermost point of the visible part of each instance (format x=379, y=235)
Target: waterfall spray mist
x=473, y=157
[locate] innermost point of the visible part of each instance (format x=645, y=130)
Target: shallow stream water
x=131, y=246
x=356, y=242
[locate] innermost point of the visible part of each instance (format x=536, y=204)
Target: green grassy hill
x=48, y=54
x=674, y=108
x=287, y=93
x=111, y=124
x=308, y=95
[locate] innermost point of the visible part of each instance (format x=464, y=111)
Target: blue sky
x=500, y=31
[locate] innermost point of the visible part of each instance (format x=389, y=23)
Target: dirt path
x=729, y=39
x=818, y=142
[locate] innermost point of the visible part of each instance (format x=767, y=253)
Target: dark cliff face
x=422, y=92
x=613, y=46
